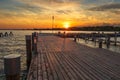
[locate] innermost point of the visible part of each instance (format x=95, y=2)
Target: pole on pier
x=78, y=36
x=115, y=38
x=28, y=50
x=64, y=34
x=108, y=42
x=95, y=39
x=12, y=67
x=92, y=34
x=36, y=35
x=75, y=38
x=34, y=43
x=98, y=34
x=85, y=38
x=100, y=43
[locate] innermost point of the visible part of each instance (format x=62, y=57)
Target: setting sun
x=66, y=25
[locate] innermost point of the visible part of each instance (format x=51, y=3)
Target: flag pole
x=52, y=23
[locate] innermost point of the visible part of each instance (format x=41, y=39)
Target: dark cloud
x=58, y=1
x=31, y=8
x=115, y=12
x=11, y=15
x=64, y=11
x=19, y=6
x=106, y=7
x=9, y=7
x=111, y=8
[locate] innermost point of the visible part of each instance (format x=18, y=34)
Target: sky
x=67, y=13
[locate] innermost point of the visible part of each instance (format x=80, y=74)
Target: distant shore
x=96, y=28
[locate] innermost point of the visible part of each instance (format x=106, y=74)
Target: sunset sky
x=38, y=13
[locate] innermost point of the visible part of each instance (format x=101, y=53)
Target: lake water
x=16, y=44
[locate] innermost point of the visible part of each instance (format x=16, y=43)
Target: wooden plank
x=63, y=59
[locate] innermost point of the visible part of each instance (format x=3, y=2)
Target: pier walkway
x=63, y=59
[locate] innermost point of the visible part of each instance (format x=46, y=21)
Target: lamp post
x=52, y=23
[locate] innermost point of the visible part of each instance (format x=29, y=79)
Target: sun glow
x=66, y=25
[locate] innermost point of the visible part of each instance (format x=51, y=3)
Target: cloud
x=64, y=11
x=116, y=11
x=17, y=8
x=31, y=8
x=112, y=8
x=58, y=1
x=106, y=7
x=9, y=5
x=17, y=5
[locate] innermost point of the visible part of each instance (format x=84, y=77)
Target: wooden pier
x=63, y=59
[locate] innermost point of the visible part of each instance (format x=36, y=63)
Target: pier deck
x=63, y=59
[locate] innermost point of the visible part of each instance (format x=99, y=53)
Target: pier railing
x=95, y=37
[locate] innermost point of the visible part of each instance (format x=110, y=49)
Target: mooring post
x=78, y=37
x=6, y=34
x=28, y=50
x=95, y=39
x=35, y=45
x=64, y=34
x=106, y=37
x=75, y=38
x=115, y=38
x=85, y=38
x=12, y=67
x=108, y=42
x=1, y=35
x=36, y=35
x=98, y=34
x=92, y=34
x=32, y=44
x=100, y=43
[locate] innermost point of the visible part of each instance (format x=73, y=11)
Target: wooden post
x=64, y=34
x=1, y=35
x=115, y=38
x=35, y=45
x=32, y=44
x=98, y=34
x=108, y=42
x=12, y=67
x=36, y=35
x=100, y=43
x=95, y=39
x=75, y=38
x=28, y=50
x=105, y=41
x=85, y=38
x=92, y=34
x=6, y=34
